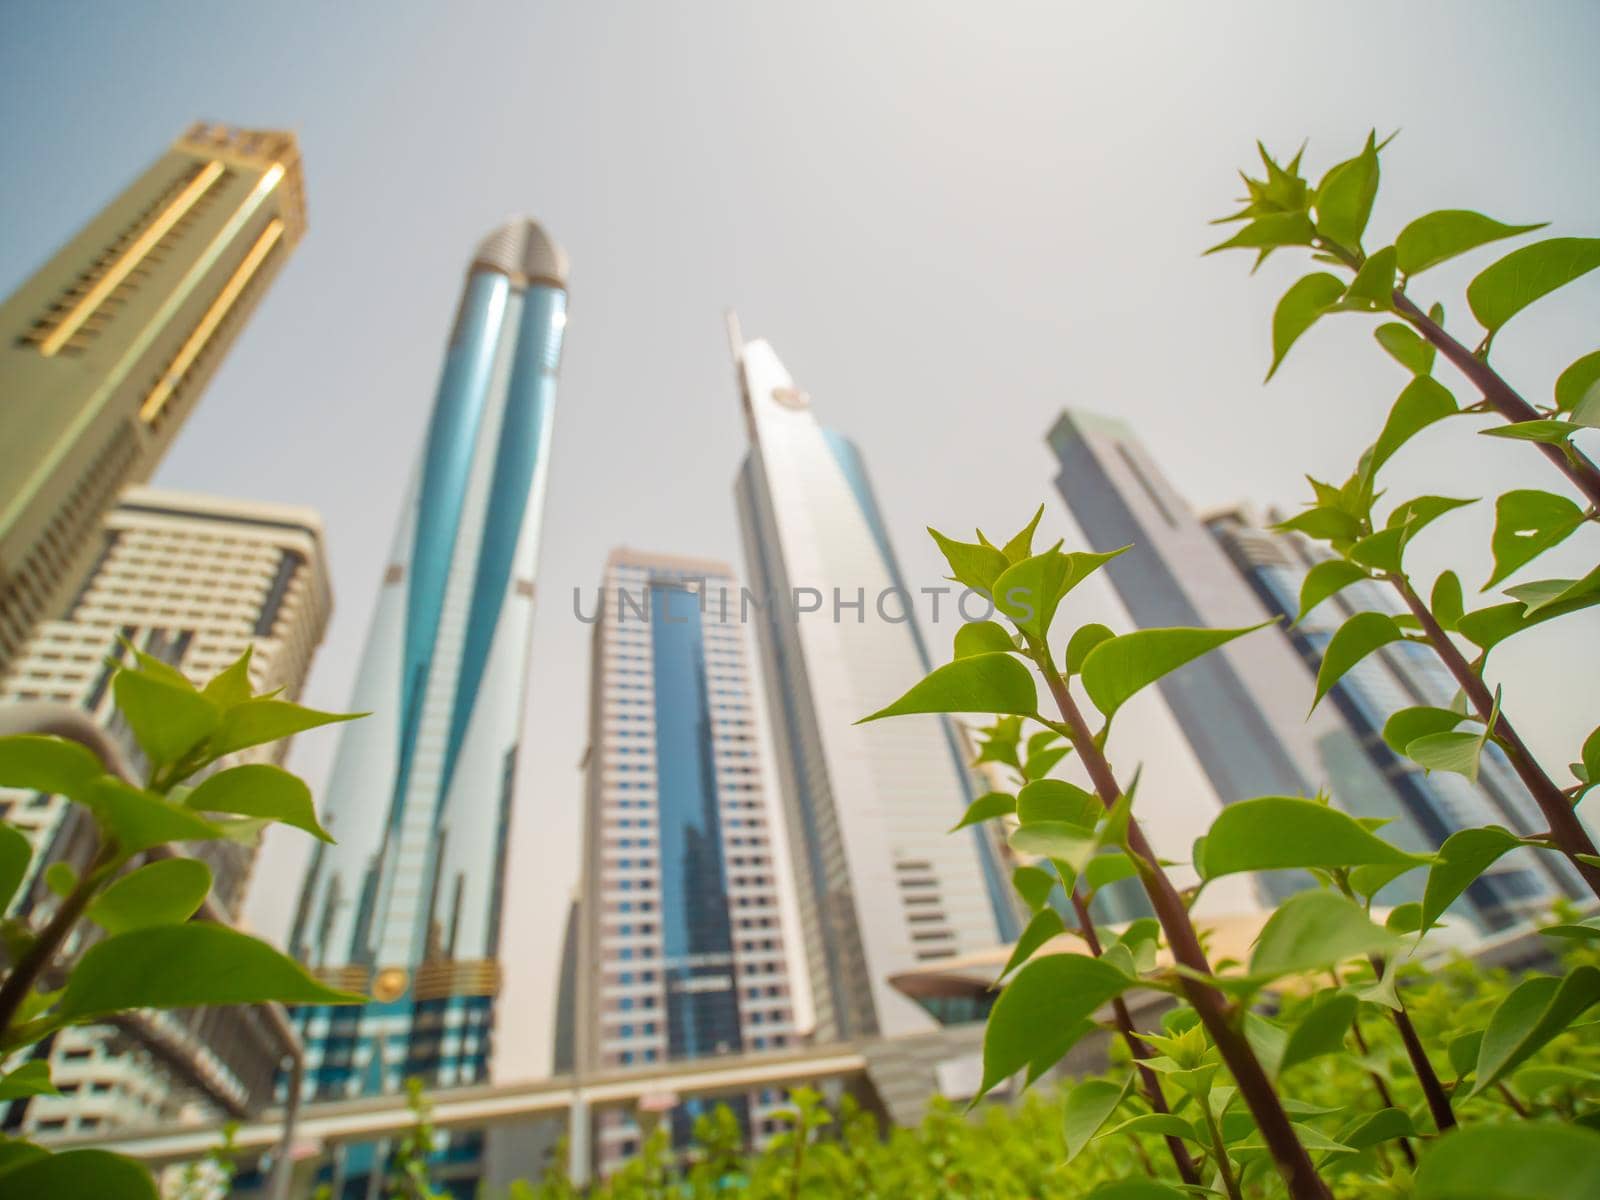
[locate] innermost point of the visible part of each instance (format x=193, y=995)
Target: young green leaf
x=1323, y=523
x=260, y=790
x=983, y=683
x=79, y=1173
x=1071, y=845
x=1083, y=640
x=231, y=685
x=1058, y=800
x=1119, y=667
x=1344, y=197
x=1406, y=347
x=1284, y=832
x=1447, y=601
x=1372, y=1129
x=1354, y=640
x=1324, y=579
x=1537, y=1009
x=1089, y=1106
x=1107, y=867
x=1034, y=885
x=1440, y=236
x=1525, y=1160
x=1546, y=593
x=1464, y=856
x=31, y=1078
x=52, y=765
x=1455, y=752
x=971, y=563
x=256, y=722
x=1372, y=290
x=1302, y=304
x=167, y=720
x=138, y=819
x=1408, y=724
x=982, y=637
x=1030, y=591
x=187, y=966
x=1527, y=522
x=1546, y=429
x=1312, y=931
x=1322, y=1030
x=986, y=808
x=1037, y=1018
x=1045, y=925
x=1041, y=762
x=1579, y=383
x=1021, y=544
x=1271, y=231
x=15, y=855
x=1506, y=287
x=1421, y=402
x=164, y=892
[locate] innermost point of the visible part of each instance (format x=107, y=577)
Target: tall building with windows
x=680, y=936
x=193, y=581
x=881, y=886
x=407, y=906
x=1396, y=676
x=105, y=350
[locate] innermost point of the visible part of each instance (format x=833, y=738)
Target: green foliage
x=979, y=683
x=1043, y=1012
x=165, y=892
x=1118, y=668
x=1441, y=236
x=1355, y=639
x=1512, y=1162
x=1504, y=289
x=1527, y=522
x=1284, y=832
x=1299, y=310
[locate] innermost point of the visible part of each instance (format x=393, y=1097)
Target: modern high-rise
x=407, y=905
x=193, y=581
x=881, y=886
x=1396, y=676
x=680, y=937
x=105, y=350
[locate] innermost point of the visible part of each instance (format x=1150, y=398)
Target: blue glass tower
x=407, y=906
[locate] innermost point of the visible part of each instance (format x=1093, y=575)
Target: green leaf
x=79, y=1173
x=1545, y=429
x=1041, y=762
x=164, y=892
x=32, y=1078
x=1312, y=931
x=1547, y=593
x=187, y=966
x=1089, y=1106
x=1324, y=524
x=1036, y=1019
x=1321, y=1030
x=1116, y=669
x=1369, y=881
x=983, y=637
x=1523, y=1160
x=985, y=808
x=1058, y=800
x=1439, y=236
x=1421, y=402
x=15, y=855
x=1344, y=197
x=1034, y=885
x=1162, y=1124
x=138, y=819
x=1284, y=832
x=1404, y=918
x=1085, y=639
x=1586, y=931
x=260, y=790
x=231, y=685
x=1271, y=231
x=1071, y=845
x=1527, y=522
x=971, y=563
x=1030, y=591
x=1506, y=287
x=1021, y=545
x=1298, y=311
x=1447, y=601
x=61, y=878
x=1106, y=868
x=1136, y=1189
x=1579, y=383
x=1406, y=347
x=1455, y=752
x=1537, y=1009
x=168, y=721
x=1463, y=1052
x=1408, y=724
x=1464, y=856
x=1591, y=755
x=1372, y=290
x=256, y=722
x=1324, y=579
x=1354, y=640
x=1371, y=1129
x=36, y=763
x=983, y=683
x=1045, y=925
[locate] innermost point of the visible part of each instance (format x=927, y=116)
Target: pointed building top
x=522, y=249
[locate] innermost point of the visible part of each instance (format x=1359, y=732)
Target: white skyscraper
x=882, y=886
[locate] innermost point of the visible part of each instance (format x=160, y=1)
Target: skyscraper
x=881, y=885
x=1396, y=676
x=193, y=581
x=105, y=350
x=681, y=948
x=407, y=906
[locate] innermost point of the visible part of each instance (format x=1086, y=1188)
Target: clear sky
x=951, y=219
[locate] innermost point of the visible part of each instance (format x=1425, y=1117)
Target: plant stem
x=1384, y=1095
x=19, y=982
x=1501, y=396
x=1438, y=1099
x=1213, y=1007
x=1151, y=1085
x=1566, y=831
x=1219, y=1151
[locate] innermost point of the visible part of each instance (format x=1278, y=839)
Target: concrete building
x=680, y=936
x=407, y=906
x=881, y=886
x=193, y=581
x=106, y=349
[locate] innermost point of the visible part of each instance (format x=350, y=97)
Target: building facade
x=407, y=906
x=1396, y=676
x=681, y=944
x=881, y=886
x=193, y=581
x=106, y=349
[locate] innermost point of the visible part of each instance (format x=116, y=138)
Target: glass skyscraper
x=882, y=887
x=407, y=906
x=680, y=940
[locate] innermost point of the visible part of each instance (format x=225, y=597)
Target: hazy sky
x=951, y=219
